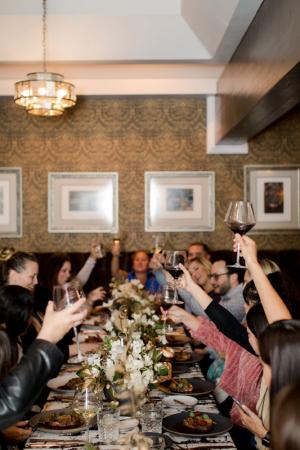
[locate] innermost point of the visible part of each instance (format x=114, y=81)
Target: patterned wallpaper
x=132, y=135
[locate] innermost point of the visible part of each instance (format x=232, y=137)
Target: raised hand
x=247, y=247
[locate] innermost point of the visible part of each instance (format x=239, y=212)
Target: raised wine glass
x=64, y=296
x=172, y=260
x=240, y=219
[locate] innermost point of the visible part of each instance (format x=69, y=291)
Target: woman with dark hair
x=242, y=371
x=21, y=384
x=21, y=269
x=285, y=420
x=59, y=272
x=16, y=306
x=279, y=348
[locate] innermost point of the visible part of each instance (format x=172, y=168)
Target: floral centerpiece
x=131, y=354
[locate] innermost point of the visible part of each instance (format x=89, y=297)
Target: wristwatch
x=266, y=439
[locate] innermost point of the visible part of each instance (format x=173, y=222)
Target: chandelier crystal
x=45, y=93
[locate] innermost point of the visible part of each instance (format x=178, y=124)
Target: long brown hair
x=285, y=422
x=279, y=347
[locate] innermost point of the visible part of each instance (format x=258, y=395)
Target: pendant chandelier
x=45, y=93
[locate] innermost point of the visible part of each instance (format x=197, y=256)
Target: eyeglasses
x=217, y=275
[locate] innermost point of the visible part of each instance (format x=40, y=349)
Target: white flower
x=108, y=326
x=95, y=371
x=94, y=359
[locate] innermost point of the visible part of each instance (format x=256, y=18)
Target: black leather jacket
x=20, y=388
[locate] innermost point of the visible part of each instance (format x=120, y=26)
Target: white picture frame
x=274, y=192
x=180, y=201
x=83, y=202
x=10, y=202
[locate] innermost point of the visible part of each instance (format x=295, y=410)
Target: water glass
x=108, y=424
x=151, y=418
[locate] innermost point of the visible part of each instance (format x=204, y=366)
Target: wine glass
x=87, y=405
x=63, y=297
x=172, y=260
x=240, y=219
x=158, y=243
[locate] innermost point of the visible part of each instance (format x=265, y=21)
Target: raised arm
x=86, y=270
x=186, y=282
x=222, y=318
x=274, y=307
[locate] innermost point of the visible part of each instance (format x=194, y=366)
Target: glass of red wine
x=172, y=260
x=240, y=219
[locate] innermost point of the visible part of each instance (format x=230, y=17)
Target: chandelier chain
x=44, y=34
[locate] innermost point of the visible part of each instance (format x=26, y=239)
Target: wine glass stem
x=79, y=354
x=88, y=431
x=175, y=295
x=238, y=255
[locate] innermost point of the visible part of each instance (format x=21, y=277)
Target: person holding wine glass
x=140, y=269
x=64, y=297
x=240, y=219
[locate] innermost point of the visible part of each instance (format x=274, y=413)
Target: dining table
x=42, y=439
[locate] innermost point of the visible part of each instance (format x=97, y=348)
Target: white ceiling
x=124, y=46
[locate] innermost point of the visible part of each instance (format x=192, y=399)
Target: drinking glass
x=240, y=219
x=63, y=297
x=151, y=418
x=108, y=423
x=165, y=297
x=158, y=243
x=87, y=405
x=172, y=260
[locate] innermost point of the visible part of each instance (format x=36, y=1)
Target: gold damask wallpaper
x=132, y=135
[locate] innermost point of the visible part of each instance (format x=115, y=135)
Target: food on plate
x=177, y=338
x=60, y=422
x=167, y=352
x=183, y=355
x=72, y=384
x=199, y=421
x=92, y=339
x=181, y=385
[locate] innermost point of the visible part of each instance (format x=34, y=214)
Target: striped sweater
x=242, y=373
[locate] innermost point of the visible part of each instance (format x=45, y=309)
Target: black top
x=23, y=384
x=229, y=325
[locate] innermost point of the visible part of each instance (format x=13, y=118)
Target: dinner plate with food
x=185, y=356
x=61, y=421
x=187, y=386
x=196, y=424
x=65, y=384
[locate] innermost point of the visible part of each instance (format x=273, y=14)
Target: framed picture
x=82, y=202
x=10, y=202
x=274, y=193
x=179, y=201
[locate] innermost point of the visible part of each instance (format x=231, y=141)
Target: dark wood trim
x=262, y=80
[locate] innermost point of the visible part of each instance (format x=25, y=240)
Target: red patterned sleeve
x=209, y=334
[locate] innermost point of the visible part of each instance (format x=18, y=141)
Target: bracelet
x=266, y=439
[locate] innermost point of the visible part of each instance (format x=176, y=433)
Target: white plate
x=56, y=383
x=179, y=401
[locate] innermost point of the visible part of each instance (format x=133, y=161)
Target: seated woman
x=140, y=269
x=285, y=421
x=59, y=272
x=21, y=384
x=279, y=348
